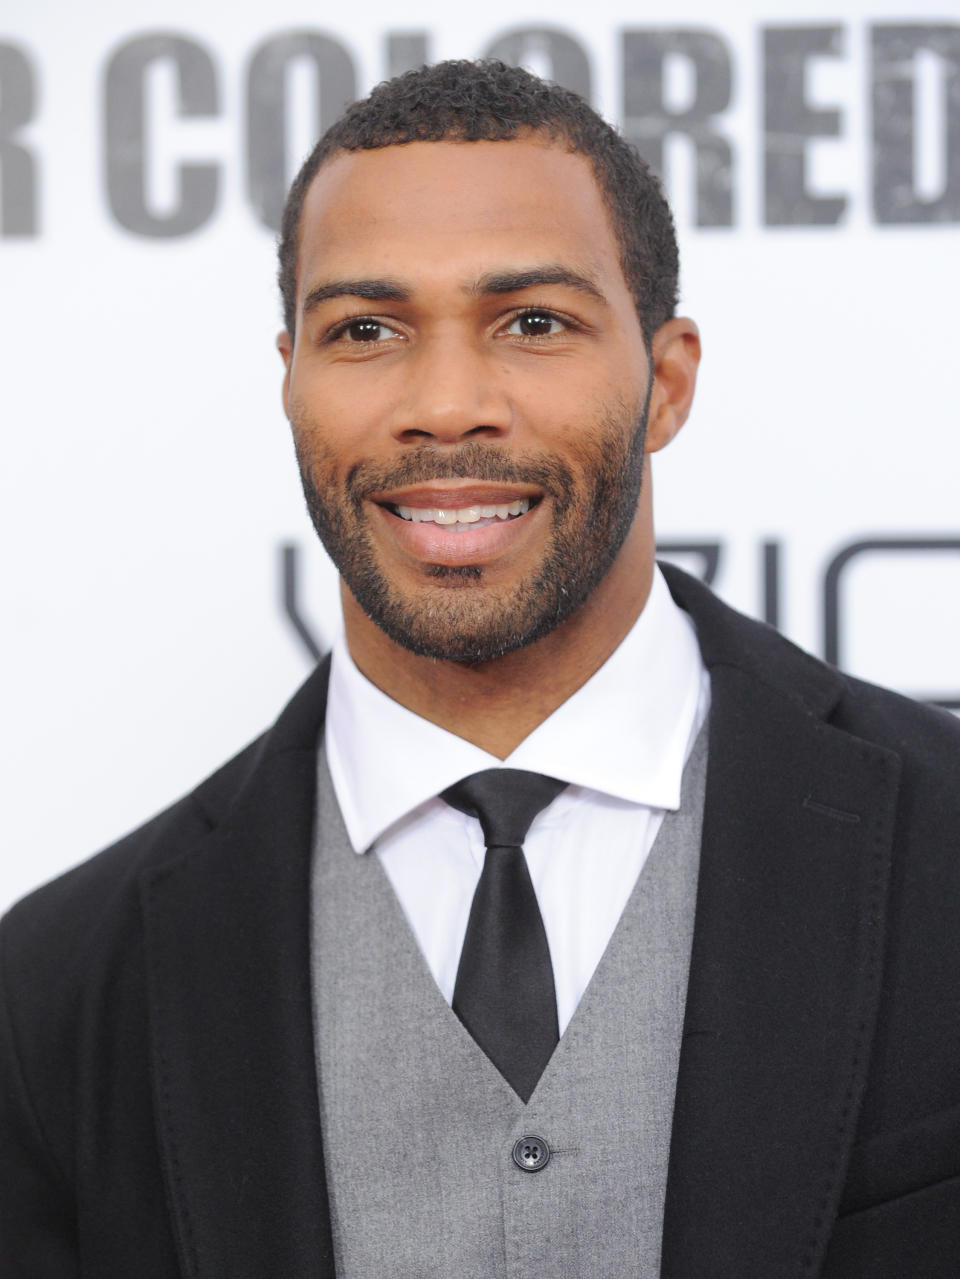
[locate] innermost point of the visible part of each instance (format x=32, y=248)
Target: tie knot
x=505, y=800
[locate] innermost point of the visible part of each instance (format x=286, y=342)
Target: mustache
x=471, y=460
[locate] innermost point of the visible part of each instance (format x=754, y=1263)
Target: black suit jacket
x=159, y=1113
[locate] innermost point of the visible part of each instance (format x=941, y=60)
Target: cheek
x=320, y=424
x=317, y=458
x=339, y=418
x=576, y=399
x=597, y=429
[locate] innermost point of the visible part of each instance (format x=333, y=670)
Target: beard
x=454, y=616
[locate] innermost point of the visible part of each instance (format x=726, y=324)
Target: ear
x=285, y=347
x=676, y=357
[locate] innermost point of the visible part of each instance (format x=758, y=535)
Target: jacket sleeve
x=37, y=1218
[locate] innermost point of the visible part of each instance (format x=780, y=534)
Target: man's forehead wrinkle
x=368, y=289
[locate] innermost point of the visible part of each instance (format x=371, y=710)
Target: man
x=257, y=1037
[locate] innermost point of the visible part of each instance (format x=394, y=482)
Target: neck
x=496, y=704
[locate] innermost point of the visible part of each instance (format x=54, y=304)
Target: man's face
x=467, y=389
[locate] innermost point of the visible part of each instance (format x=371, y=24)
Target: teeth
x=465, y=514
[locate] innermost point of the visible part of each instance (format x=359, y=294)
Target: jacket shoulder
x=926, y=737
x=94, y=906
x=51, y=934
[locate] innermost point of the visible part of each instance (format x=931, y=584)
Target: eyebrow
x=370, y=290
x=488, y=285
x=529, y=278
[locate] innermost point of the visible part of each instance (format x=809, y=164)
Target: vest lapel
x=783, y=985
x=227, y=937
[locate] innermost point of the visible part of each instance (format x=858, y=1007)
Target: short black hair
x=488, y=101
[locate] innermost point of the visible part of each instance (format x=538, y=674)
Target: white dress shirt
x=620, y=741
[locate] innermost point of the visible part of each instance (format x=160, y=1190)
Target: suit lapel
x=785, y=969
x=228, y=959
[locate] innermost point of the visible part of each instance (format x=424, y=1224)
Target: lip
x=455, y=545
x=450, y=495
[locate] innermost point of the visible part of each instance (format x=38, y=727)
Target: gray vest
x=422, y=1135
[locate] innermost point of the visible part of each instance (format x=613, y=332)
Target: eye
x=365, y=329
x=536, y=324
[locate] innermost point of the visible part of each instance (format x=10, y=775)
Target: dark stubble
x=453, y=617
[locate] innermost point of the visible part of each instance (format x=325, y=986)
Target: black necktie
x=504, y=993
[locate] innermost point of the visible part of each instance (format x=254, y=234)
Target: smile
x=458, y=524
x=466, y=515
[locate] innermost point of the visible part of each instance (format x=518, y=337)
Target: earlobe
x=676, y=358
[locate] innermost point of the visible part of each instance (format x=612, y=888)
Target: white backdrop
x=148, y=484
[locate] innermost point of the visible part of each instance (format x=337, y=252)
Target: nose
x=451, y=389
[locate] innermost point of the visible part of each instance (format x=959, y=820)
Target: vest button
x=531, y=1154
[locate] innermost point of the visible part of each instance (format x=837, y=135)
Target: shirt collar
x=626, y=732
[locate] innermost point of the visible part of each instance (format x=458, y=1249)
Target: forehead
x=440, y=209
